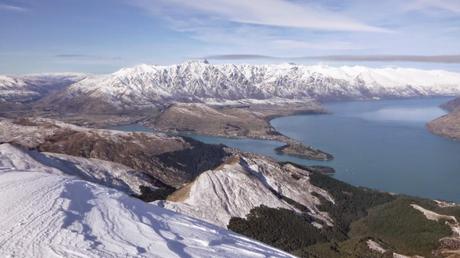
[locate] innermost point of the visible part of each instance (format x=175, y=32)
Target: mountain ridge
x=63, y=216
x=145, y=86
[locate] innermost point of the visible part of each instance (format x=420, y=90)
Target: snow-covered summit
x=45, y=213
x=200, y=81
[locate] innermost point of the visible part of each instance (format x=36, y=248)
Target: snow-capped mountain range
x=191, y=81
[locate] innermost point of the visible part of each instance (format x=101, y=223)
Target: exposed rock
x=243, y=182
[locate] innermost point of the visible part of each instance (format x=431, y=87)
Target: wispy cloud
x=278, y=13
x=13, y=8
x=447, y=59
x=329, y=45
x=86, y=59
x=85, y=56
x=447, y=5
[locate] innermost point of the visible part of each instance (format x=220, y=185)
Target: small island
x=298, y=149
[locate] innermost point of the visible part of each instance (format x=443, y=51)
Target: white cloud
x=13, y=8
x=278, y=13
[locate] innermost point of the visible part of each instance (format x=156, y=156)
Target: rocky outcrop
x=245, y=181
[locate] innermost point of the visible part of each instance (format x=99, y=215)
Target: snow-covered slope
x=244, y=182
x=44, y=214
x=145, y=85
x=102, y=172
x=32, y=87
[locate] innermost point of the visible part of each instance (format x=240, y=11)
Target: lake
x=378, y=144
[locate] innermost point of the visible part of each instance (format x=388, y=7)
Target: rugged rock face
x=148, y=85
x=172, y=161
x=245, y=181
x=448, y=125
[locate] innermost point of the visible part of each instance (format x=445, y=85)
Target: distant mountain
x=28, y=88
x=148, y=85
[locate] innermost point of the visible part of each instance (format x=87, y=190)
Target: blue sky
x=100, y=36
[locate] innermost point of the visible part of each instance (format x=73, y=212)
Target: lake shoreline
x=394, y=156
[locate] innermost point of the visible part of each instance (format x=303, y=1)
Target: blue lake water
x=378, y=144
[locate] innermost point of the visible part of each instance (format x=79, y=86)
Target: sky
x=101, y=36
